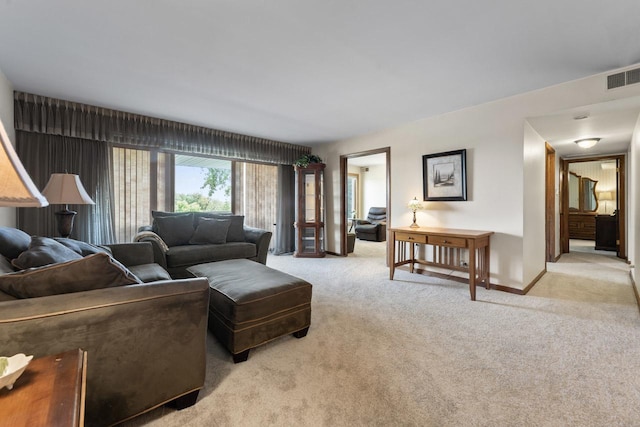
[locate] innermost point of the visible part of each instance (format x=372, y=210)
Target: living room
x=505, y=153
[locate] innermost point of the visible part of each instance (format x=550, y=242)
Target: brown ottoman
x=251, y=304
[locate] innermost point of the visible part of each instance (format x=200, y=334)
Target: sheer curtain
x=255, y=195
x=43, y=155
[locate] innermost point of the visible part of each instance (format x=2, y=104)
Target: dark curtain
x=43, y=155
x=286, y=211
x=34, y=113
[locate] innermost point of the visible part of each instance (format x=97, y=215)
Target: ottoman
x=251, y=304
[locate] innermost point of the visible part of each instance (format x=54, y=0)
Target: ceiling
x=307, y=71
x=613, y=122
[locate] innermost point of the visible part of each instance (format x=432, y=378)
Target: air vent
x=623, y=79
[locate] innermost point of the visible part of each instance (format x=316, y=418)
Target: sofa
x=184, y=239
x=144, y=333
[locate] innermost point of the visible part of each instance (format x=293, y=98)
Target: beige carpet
x=417, y=352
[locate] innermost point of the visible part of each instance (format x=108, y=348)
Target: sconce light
x=414, y=205
x=587, y=142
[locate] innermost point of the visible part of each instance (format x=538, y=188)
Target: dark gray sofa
x=176, y=247
x=145, y=343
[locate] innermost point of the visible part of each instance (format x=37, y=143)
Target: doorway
x=365, y=181
x=593, y=205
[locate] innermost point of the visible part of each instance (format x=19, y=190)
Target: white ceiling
x=307, y=71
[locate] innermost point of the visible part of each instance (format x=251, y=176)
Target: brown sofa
x=145, y=342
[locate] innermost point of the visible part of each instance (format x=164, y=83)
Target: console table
x=448, y=245
x=50, y=392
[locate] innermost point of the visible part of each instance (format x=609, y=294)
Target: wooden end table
x=50, y=392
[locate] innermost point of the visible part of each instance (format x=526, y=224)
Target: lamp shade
x=16, y=187
x=415, y=204
x=66, y=189
x=605, y=195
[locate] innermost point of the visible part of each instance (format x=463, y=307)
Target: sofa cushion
x=149, y=272
x=13, y=242
x=43, y=251
x=175, y=230
x=181, y=256
x=5, y=265
x=236, y=228
x=91, y=272
x=81, y=248
x=210, y=230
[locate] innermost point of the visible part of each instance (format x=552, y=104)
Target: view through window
x=202, y=184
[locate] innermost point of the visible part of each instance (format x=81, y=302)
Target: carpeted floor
x=417, y=352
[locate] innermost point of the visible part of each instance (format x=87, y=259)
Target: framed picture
x=445, y=176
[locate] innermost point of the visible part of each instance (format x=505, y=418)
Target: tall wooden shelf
x=309, y=222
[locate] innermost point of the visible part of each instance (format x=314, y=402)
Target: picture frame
x=445, y=176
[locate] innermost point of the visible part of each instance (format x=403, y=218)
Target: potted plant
x=307, y=159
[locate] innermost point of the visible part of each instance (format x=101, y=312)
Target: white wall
x=633, y=186
x=502, y=167
x=7, y=215
x=535, y=153
x=374, y=188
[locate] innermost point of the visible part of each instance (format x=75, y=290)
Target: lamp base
x=65, y=219
x=415, y=224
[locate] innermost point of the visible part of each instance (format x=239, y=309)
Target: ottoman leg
x=301, y=333
x=185, y=401
x=241, y=357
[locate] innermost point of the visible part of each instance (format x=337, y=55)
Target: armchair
x=374, y=228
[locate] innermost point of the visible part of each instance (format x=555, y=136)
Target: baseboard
x=635, y=290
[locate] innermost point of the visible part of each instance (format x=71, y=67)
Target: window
x=352, y=196
x=147, y=180
x=202, y=184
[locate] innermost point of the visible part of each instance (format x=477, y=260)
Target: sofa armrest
x=159, y=246
x=130, y=254
x=146, y=344
x=261, y=239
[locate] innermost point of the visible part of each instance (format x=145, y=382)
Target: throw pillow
x=175, y=230
x=236, y=228
x=162, y=214
x=210, y=230
x=81, y=248
x=13, y=242
x=43, y=251
x=91, y=272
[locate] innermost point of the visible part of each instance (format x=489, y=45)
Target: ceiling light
x=587, y=142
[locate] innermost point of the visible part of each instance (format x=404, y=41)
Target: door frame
x=621, y=203
x=550, y=203
x=343, y=185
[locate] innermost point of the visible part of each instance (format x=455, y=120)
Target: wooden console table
x=50, y=392
x=447, y=245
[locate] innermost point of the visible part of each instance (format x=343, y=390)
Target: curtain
x=43, y=155
x=255, y=195
x=41, y=114
x=285, y=242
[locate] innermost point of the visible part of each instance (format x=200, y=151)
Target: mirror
x=582, y=193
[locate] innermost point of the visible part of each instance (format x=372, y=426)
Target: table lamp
x=16, y=187
x=66, y=189
x=605, y=196
x=414, y=205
